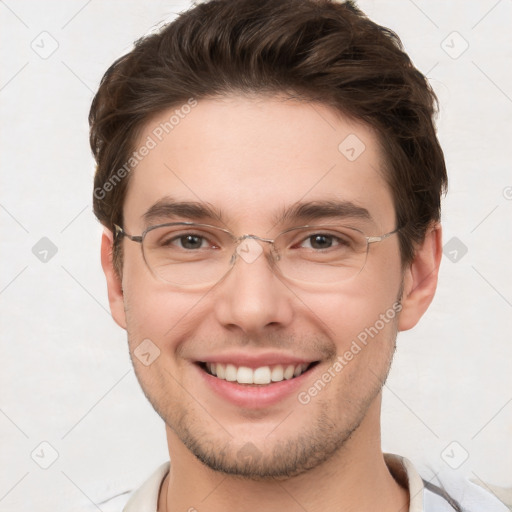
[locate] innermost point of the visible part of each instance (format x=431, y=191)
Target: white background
x=65, y=373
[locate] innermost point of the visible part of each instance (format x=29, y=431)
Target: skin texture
x=250, y=158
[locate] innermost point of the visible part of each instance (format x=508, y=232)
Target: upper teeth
x=261, y=375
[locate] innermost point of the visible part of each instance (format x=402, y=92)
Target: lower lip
x=254, y=396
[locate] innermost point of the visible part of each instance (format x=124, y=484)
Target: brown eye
x=320, y=241
x=190, y=241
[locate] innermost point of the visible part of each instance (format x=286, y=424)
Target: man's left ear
x=420, y=278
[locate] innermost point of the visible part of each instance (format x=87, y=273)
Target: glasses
x=190, y=254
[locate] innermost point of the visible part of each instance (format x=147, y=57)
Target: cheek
x=364, y=328
x=162, y=315
x=153, y=310
x=356, y=308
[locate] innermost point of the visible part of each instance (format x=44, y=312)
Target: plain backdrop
x=69, y=399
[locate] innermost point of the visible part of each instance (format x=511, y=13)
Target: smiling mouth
x=261, y=376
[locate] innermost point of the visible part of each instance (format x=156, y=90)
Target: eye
x=319, y=241
x=182, y=240
x=189, y=241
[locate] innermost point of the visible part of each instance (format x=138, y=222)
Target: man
x=269, y=179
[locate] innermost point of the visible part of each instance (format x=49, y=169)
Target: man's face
x=251, y=160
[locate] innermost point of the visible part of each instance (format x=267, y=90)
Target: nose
x=252, y=298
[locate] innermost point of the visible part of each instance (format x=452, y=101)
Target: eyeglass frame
x=120, y=232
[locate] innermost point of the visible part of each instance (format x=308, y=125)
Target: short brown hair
x=312, y=50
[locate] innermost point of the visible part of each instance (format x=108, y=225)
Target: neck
x=355, y=478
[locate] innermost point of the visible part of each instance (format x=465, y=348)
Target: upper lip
x=256, y=360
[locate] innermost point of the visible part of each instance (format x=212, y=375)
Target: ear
x=420, y=279
x=114, y=284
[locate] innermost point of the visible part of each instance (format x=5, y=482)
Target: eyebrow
x=167, y=208
x=303, y=212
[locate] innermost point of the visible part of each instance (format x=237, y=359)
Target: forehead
x=251, y=158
